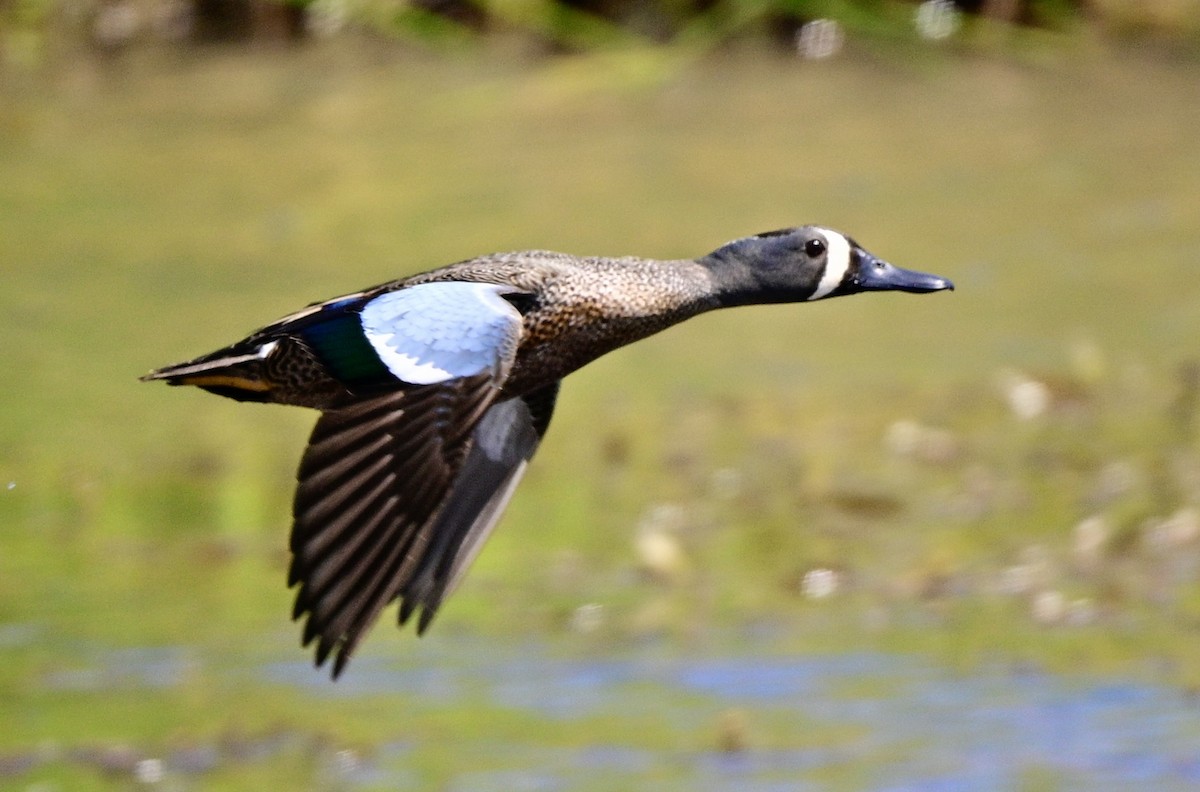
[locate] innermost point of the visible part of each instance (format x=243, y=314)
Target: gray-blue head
x=804, y=264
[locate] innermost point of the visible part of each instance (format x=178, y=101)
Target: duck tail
x=236, y=372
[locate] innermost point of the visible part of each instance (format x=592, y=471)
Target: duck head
x=805, y=264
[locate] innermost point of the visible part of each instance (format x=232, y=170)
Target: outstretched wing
x=392, y=488
x=502, y=444
x=372, y=476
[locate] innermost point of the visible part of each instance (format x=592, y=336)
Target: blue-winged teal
x=435, y=390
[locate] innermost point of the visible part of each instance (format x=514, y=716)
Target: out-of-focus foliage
x=33, y=32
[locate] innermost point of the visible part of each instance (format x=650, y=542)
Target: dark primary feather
x=373, y=477
x=503, y=442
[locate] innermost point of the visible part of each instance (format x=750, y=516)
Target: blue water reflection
x=897, y=722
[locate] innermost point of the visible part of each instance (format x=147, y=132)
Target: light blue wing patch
x=435, y=332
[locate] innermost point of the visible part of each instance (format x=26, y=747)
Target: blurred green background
x=944, y=542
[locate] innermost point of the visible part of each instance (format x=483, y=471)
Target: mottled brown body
x=581, y=308
x=575, y=310
x=297, y=377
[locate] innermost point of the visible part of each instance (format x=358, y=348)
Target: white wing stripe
x=435, y=332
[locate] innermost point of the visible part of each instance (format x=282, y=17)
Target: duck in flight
x=435, y=390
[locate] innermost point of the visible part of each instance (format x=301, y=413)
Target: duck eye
x=814, y=248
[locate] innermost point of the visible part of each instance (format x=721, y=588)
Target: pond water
x=921, y=727
x=870, y=720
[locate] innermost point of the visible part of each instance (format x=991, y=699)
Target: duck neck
x=733, y=282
